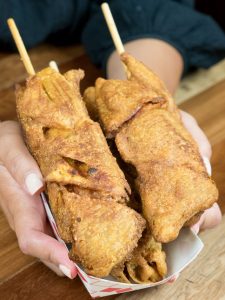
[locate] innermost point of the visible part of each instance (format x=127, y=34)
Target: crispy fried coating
x=113, y=102
x=119, y=100
x=102, y=232
x=146, y=265
x=136, y=71
x=172, y=180
x=170, y=176
x=87, y=190
x=90, y=102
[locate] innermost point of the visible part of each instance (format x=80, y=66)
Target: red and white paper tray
x=179, y=254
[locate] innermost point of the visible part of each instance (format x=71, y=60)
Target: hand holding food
x=21, y=203
x=86, y=189
x=170, y=175
x=88, y=193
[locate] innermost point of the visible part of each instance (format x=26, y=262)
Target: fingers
x=60, y=271
x=15, y=156
x=198, y=135
x=212, y=216
x=34, y=241
x=54, y=268
x=209, y=219
x=48, y=249
x=28, y=219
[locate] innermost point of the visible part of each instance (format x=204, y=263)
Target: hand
x=209, y=219
x=212, y=216
x=20, y=186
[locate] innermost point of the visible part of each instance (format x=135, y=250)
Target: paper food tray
x=179, y=254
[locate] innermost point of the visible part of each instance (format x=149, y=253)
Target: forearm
x=158, y=55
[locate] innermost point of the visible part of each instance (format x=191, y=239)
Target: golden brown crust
x=170, y=175
x=122, y=99
x=138, y=72
x=193, y=220
x=84, y=183
x=119, y=100
x=102, y=232
x=146, y=265
x=172, y=180
x=120, y=273
x=90, y=102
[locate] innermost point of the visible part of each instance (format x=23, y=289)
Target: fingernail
x=74, y=273
x=195, y=228
x=207, y=165
x=66, y=271
x=33, y=183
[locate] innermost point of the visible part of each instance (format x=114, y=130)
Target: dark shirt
x=215, y=8
x=196, y=35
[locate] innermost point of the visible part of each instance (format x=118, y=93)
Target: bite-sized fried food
x=170, y=175
x=87, y=190
x=146, y=265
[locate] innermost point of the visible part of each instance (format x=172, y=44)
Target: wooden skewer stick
x=20, y=46
x=112, y=28
x=53, y=65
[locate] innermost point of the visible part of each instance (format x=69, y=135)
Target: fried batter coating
x=171, y=178
x=87, y=190
x=146, y=265
x=119, y=100
x=102, y=232
x=89, y=100
x=113, y=102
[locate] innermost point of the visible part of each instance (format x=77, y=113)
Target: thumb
x=198, y=135
x=48, y=250
x=61, y=270
x=16, y=158
x=209, y=219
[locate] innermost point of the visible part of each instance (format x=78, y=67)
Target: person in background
x=169, y=36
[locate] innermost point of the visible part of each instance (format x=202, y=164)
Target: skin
x=24, y=210
x=159, y=56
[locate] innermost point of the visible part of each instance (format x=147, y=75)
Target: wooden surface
x=23, y=277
